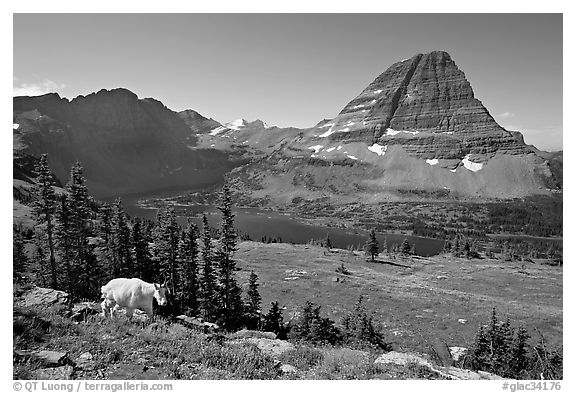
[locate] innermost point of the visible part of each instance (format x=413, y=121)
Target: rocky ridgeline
x=125, y=144
x=59, y=364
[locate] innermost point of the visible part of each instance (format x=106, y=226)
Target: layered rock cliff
x=426, y=105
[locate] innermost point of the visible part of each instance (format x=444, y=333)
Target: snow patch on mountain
x=326, y=125
x=391, y=132
x=316, y=148
x=378, y=149
x=217, y=130
x=472, y=166
x=327, y=133
x=236, y=124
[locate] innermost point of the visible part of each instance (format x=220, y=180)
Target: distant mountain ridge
x=416, y=130
x=126, y=145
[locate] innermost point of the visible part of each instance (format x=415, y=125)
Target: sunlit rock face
x=426, y=105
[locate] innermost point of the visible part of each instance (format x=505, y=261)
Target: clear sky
x=292, y=69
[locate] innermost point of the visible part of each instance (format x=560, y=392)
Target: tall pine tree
x=19, y=258
x=122, y=255
x=372, y=245
x=210, y=304
x=252, y=308
x=188, y=255
x=166, y=241
x=44, y=210
x=88, y=274
x=144, y=266
x=230, y=291
x=106, y=221
x=65, y=240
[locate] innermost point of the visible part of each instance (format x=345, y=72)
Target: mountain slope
x=126, y=144
x=417, y=130
x=198, y=123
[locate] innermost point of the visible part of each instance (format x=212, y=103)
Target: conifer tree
x=372, y=245
x=39, y=264
x=230, y=292
x=88, y=274
x=106, y=219
x=252, y=308
x=65, y=240
x=166, y=241
x=189, y=273
x=406, y=248
x=328, y=243
x=520, y=351
x=121, y=242
x=210, y=302
x=19, y=258
x=144, y=266
x=44, y=210
x=273, y=320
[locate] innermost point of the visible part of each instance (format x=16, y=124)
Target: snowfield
x=316, y=148
x=391, y=132
x=471, y=166
x=217, y=130
x=378, y=149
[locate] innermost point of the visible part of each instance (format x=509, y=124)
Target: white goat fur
x=131, y=293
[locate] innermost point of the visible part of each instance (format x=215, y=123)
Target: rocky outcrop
x=271, y=347
x=406, y=358
x=43, y=297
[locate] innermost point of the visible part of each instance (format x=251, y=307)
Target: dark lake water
x=258, y=223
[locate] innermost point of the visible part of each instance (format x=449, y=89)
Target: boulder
x=82, y=310
x=288, y=369
x=403, y=359
x=268, y=346
x=43, y=297
x=85, y=361
x=458, y=353
x=198, y=324
x=244, y=333
x=51, y=358
x=59, y=373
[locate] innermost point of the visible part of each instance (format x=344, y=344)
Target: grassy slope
x=419, y=309
x=126, y=350
x=419, y=312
